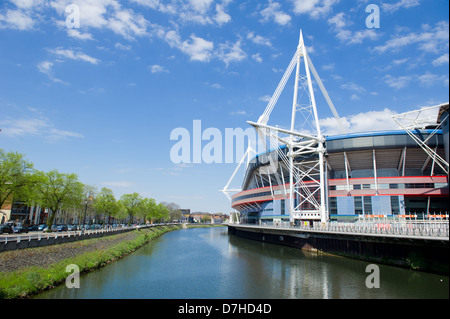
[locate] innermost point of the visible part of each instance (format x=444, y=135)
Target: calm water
x=208, y=263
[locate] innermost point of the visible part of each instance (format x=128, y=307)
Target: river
x=208, y=263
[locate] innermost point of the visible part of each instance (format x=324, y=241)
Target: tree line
x=65, y=196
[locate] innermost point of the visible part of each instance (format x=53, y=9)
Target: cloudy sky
x=96, y=87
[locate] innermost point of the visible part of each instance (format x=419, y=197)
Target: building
x=21, y=212
x=307, y=177
x=384, y=173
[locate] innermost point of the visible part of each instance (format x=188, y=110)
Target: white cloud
x=314, y=8
x=257, y=57
x=239, y=112
x=201, y=6
x=37, y=126
x=105, y=14
x=158, y=69
x=75, y=33
x=443, y=59
x=338, y=20
x=157, y=5
x=128, y=24
x=425, y=80
x=430, y=79
x=397, y=82
x=361, y=122
x=72, y=55
x=392, y=7
x=16, y=19
x=433, y=40
x=125, y=47
x=202, y=12
x=258, y=39
x=353, y=87
x=265, y=98
x=339, y=24
x=46, y=68
x=198, y=49
x=231, y=52
x=273, y=12
x=221, y=16
x=27, y=4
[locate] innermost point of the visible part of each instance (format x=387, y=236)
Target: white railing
x=44, y=235
x=398, y=228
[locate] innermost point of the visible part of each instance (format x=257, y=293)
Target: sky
x=97, y=87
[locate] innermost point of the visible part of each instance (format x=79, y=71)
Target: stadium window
x=358, y=205
x=367, y=205
x=395, y=206
x=333, y=205
x=283, y=208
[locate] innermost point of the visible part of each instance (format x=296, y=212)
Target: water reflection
x=209, y=263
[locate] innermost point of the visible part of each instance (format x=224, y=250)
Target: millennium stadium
x=304, y=176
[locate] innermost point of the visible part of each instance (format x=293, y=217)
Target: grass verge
x=32, y=280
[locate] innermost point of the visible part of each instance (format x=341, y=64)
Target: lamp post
x=85, y=210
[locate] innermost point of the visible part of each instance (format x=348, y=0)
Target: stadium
x=385, y=174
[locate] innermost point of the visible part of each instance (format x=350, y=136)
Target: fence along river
x=208, y=263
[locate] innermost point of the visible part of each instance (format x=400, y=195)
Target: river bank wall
x=413, y=253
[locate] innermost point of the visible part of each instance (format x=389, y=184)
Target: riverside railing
x=419, y=228
x=4, y=239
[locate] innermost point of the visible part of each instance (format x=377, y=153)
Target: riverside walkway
x=414, y=229
x=39, y=238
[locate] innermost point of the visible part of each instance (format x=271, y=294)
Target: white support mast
x=304, y=141
x=305, y=158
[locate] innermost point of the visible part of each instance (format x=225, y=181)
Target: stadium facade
x=374, y=173
x=306, y=176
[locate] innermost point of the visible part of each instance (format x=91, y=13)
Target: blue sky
x=101, y=100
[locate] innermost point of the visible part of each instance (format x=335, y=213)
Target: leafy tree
x=57, y=191
x=17, y=177
x=162, y=213
x=132, y=204
x=148, y=209
x=106, y=203
x=88, y=201
x=173, y=210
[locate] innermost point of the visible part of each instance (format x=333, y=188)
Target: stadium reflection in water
x=208, y=263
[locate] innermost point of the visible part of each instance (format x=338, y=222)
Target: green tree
x=173, y=211
x=57, y=191
x=132, y=204
x=106, y=203
x=88, y=202
x=17, y=177
x=161, y=213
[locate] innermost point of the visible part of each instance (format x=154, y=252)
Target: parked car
x=6, y=228
x=52, y=229
x=41, y=227
x=33, y=228
x=62, y=228
x=71, y=227
x=20, y=229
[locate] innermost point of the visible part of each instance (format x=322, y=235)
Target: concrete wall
x=410, y=253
